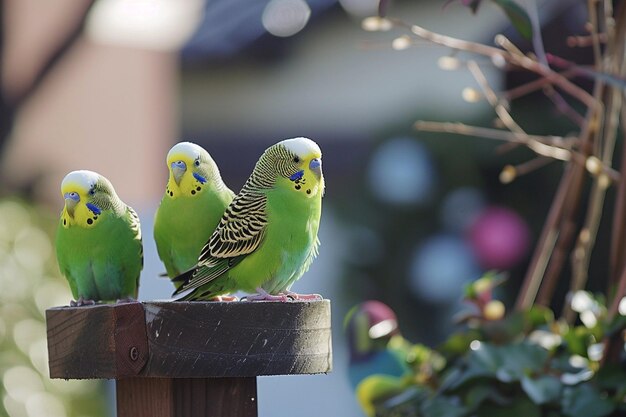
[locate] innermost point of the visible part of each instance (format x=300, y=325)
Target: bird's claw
x=81, y=302
x=304, y=297
x=263, y=295
x=266, y=297
x=281, y=296
x=126, y=300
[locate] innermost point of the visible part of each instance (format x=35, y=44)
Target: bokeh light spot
x=360, y=8
x=51, y=293
x=152, y=24
x=622, y=306
x=499, y=238
x=285, y=17
x=26, y=332
x=440, y=268
x=448, y=63
x=461, y=207
x=44, y=404
x=21, y=382
x=401, y=172
x=471, y=95
x=401, y=43
x=32, y=249
x=376, y=24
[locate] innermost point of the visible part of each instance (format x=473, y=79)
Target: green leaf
x=538, y=316
x=542, y=390
x=518, y=17
x=519, y=407
x=458, y=343
x=442, y=406
x=578, y=340
x=505, y=330
x=477, y=394
x=611, y=378
x=405, y=403
x=585, y=401
x=519, y=360
x=455, y=377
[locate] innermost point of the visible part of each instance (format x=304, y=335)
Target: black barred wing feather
x=239, y=233
x=241, y=228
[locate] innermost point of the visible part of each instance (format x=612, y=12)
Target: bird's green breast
x=290, y=238
x=102, y=262
x=184, y=224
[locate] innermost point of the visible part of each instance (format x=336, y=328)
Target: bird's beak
x=71, y=199
x=178, y=170
x=316, y=166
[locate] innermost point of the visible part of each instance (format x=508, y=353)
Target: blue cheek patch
x=298, y=175
x=94, y=209
x=199, y=177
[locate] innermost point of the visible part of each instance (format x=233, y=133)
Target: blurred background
x=408, y=218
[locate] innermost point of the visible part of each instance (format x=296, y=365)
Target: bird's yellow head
x=87, y=195
x=191, y=168
x=301, y=165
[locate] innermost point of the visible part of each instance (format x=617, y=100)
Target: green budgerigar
x=98, y=240
x=267, y=237
x=195, y=199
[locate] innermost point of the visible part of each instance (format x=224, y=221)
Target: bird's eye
x=296, y=159
x=197, y=163
x=92, y=191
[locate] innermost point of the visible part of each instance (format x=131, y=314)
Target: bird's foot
x=81, y=302
x=263, y=295
x=224, y=298
x=303, y=297
x=126, y=300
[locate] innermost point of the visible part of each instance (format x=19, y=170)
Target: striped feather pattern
x=242, y=226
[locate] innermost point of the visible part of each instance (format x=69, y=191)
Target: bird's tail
x=181, y=281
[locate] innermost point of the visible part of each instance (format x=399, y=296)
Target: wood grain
x=96, y=341
x=238, y=339
x=144, y=397
x=186, y=397
x=190, y=339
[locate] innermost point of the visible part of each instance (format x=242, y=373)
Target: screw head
x=134, y=353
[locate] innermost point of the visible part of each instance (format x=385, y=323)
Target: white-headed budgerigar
x=267, y=237
x=98, y=240
x=194, y=201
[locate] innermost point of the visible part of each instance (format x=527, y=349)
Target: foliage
x=534, y=362
x=525, y=364
x=30, y=284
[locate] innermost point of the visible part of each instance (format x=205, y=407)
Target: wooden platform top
x=189, y=339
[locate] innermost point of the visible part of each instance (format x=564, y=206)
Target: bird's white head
x=303, y=147
x=190, y=166
x=303, y=169
x=86, y=194
x=185, y=150
x=81, y=181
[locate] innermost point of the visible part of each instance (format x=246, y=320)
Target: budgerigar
x=378, y=367
x=267, y=237
x=195, y=199
x=98, y=240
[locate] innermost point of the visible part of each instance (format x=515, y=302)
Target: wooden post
x=189, y=359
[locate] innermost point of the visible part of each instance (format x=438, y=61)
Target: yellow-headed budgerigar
x=98, y=240
x=267, y=237
x=195, y=199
